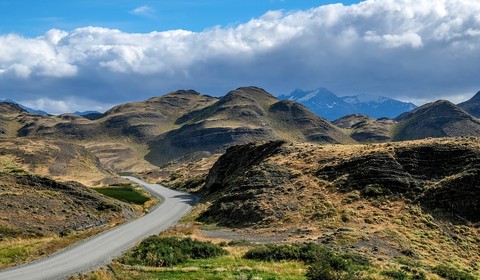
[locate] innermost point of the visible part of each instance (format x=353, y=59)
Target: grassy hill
x=409, y=201
x=472, y=106
x=366, y=129
x=244, y=115
x=437, y=119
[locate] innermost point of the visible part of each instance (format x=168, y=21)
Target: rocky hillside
x=418, y=171
x=36, y=206
x=384, y=200
x=147, y=119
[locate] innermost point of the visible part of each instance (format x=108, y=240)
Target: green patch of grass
x=229, y=266
x=125, y=193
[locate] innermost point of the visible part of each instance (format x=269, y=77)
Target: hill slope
x=472, y=106
x=438, y=119
x=365, y=129
x=386, y=201
x=244, y=115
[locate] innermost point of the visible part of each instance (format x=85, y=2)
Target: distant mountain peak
x=325, y=103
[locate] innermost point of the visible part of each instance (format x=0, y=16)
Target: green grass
x=184, y=258
x=224, y=267
x=125, y=193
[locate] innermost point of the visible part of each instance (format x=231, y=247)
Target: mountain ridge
x=186, y=122
x=325, y=103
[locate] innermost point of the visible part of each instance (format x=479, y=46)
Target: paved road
x=100, y=250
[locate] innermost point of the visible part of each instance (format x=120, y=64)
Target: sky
x=78, y=55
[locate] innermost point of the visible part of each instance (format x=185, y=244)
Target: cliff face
x=236, y=161
x=444, y=178
x=239, y=181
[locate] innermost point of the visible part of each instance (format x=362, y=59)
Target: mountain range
x=330, y=106
x=186, y=123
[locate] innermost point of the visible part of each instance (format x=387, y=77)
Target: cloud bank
x=414, y=50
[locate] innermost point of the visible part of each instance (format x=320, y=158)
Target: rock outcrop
x=250, y=185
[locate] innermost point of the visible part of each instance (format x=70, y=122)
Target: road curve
x=98, y=251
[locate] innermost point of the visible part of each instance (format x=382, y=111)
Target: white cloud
x=145, y=10
x=68, y=105
x=418, y=50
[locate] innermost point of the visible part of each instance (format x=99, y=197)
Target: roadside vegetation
x=125, y=192
x=168, y=251
x=175, y=258
x=323, y=262
x=16, y=248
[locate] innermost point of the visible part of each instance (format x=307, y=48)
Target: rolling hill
x=244, y=115
x=366, y=129
x=139, y=135
x=437, y=119
x=472, y=106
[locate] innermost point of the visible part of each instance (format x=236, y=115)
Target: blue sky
x=34, y=18
x=72, y=55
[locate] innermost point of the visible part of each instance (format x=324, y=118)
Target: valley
x=400, y=192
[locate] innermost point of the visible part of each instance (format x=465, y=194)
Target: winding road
x=100, y=250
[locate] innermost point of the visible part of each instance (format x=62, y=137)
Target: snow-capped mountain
x=330, y=106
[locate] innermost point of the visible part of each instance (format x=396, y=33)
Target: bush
x=395, y=274
x=452, y=273
x=375, y=190
x=271, y=252
x=324, y=263
x=169, y=251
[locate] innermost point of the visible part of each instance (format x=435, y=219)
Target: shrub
x=452, y=273
x=375, y=190
x=168, y=251
x=324, y=262
x=271, y=252
x=396, y=274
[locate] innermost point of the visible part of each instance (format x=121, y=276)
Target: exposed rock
x=246, y=186
x=236, y=161
x=381, y=170
x=237, y=183
x=457, y=197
